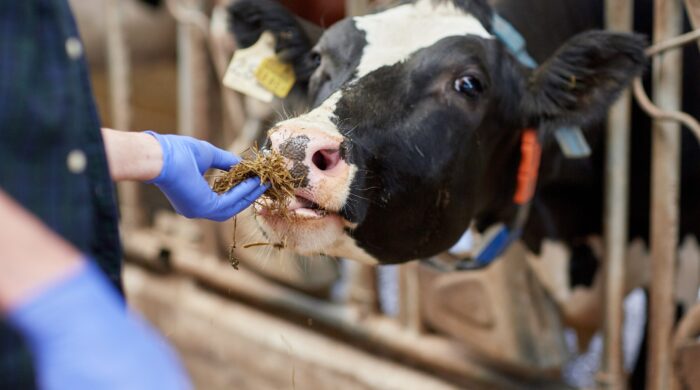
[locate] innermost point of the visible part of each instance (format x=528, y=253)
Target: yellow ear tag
x=275, y=76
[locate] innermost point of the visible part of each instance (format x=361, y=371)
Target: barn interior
x=285, y=321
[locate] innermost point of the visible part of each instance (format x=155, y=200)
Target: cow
x=414, y=128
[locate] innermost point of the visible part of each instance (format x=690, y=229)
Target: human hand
x=82, y=337
x=185, y=159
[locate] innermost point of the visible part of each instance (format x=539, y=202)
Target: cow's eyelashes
x=469, y=85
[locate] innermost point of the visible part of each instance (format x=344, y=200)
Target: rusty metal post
x=665, y=195
x=193, y=76
x=618, y=15
x=120, y=90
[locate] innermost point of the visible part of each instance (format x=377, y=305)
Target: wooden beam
x=225, y=344
x=433, y=352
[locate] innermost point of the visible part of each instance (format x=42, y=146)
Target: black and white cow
x=416, y=122
x=416, y=115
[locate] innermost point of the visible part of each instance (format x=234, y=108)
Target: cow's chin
x=306, y=231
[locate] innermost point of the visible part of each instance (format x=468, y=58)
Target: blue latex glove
x=185, y=159
x=82, y=337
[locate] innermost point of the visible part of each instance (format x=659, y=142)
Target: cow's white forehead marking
x=320, y=117
x=394, y=34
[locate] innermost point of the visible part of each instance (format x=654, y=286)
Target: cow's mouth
x=304, y=208
x=301, y=207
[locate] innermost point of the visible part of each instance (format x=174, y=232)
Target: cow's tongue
x=302, y=203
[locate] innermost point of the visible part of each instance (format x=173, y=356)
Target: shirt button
x=76, y=161
x=74, y=48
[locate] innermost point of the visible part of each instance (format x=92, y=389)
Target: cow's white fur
x=392, y=36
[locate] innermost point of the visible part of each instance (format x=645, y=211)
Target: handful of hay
x=271, y=167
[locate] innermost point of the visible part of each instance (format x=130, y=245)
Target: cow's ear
x=579, y=82
x=294, y=37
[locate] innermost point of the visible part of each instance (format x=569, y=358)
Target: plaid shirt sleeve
x=52, y=158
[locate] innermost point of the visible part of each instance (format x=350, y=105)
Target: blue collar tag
x=515, y=42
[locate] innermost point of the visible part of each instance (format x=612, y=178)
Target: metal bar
x=674, y=43
x=120, y=91
x=618, y=15
x=653, y=111
x=410, y=310
x=664, y=195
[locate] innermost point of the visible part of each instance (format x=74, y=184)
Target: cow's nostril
x=326, y=159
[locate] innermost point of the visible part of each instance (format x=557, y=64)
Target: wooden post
x=222, y=46
x=665, y=195
x=119, y=89
x=409, y=297
x=618, y=14
x=193, y=77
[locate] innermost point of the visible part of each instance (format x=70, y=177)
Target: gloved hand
x=82, y=337
x=185, y=159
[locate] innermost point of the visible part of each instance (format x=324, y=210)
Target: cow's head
x=415, y=119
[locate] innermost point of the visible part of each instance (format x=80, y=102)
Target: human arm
x=79, y=332
x=175, y=164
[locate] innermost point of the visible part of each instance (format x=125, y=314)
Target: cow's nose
x=326, y=159
x=317, y=150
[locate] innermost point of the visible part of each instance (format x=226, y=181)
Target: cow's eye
x=469, y=85
x=315, y=59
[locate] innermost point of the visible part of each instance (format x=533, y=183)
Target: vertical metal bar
x=665, y=195
x=119, y=87
x=234, y=114
x=618, y=15
x=193, y=76
x=409, y=285
x=362, y=287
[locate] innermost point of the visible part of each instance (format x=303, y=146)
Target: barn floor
x=226, y=345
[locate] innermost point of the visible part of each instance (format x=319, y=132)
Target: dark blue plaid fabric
x=46, y=114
